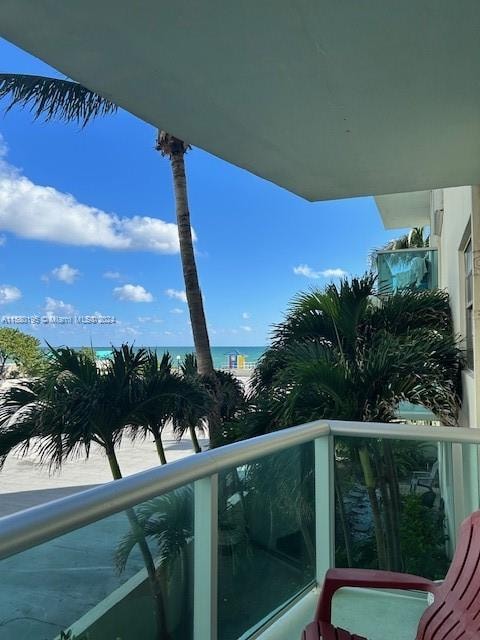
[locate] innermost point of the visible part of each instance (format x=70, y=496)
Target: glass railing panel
x=393, y=506
x=266, y=538
x=94, y=584
x=415, y=269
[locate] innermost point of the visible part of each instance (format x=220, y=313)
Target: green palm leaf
x=54, y=98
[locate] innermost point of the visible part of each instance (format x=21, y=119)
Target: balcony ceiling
x=400, y=210
x=327, y=99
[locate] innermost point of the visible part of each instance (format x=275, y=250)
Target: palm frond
x=166, y=520
x=54, y=98
x=340, y=355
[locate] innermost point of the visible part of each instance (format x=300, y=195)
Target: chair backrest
x=455, y=613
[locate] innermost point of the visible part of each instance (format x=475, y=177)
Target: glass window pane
x=390, y=509
x=469, y=337
x=469, y=289
x=468, y=258
x=94, y=580
x=266, y=538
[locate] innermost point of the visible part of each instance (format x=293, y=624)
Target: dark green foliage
x=343, y=353
x=226, y=393
x=168, y=396
x=422, y=538
x=22, y=349
x=53, y=98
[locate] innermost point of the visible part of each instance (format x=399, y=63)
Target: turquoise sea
x=219, y=354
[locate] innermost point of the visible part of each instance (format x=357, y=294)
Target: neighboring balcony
x=242, y=536
x=415, y=269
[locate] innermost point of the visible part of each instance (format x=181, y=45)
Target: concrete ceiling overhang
x=400, y=210
x=328, y=99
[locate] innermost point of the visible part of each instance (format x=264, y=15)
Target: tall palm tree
x=68, y=101
x=343, y=353
x=175, y=149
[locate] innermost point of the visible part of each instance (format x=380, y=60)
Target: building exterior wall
x=454, y=219
x=460, y=220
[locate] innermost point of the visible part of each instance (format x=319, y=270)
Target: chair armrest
x=366, y=578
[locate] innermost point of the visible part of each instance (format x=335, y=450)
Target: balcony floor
x=374, y=614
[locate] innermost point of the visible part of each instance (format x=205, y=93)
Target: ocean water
x=219, y=354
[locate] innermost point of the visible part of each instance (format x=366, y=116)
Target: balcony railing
x=407, y=269
x=241, y=535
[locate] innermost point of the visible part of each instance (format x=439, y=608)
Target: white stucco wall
x=458, y=206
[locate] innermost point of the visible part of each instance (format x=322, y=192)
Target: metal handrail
x=409, y=249
x=400, y=431
x=25, y=529
x=39, y=524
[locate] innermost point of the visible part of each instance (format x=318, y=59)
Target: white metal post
x=205, y=563
x=324, y=506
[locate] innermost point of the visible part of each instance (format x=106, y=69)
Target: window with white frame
x=468, y=262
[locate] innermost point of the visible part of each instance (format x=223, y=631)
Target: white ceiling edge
x=327, y=99
x=401, y=210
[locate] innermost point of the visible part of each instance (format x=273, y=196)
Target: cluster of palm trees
x=77, y=403
x=345, y=353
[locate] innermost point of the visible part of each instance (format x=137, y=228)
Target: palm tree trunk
x=160, y=449
x=342, y=515
x=159, y=605
x=193, y=435
x=370, y=485
x=387, y=510
x=396, y=503
x=192, y=286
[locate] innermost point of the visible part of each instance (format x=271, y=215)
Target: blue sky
x=80, y=229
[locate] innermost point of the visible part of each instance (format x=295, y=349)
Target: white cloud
x=334, y=273
x=133, y=293
x=112, y=275
x=308, y=272
x=130, y=331
x=8, y=293
x=41, y=212
x=58, y=307
x=3, y=241
x=246, y=315
x=66, y=273
x=176, y=294
x=149, y=319
x=176, y=310
x=246, y=328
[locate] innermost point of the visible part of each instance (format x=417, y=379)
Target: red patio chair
x=455, y=612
